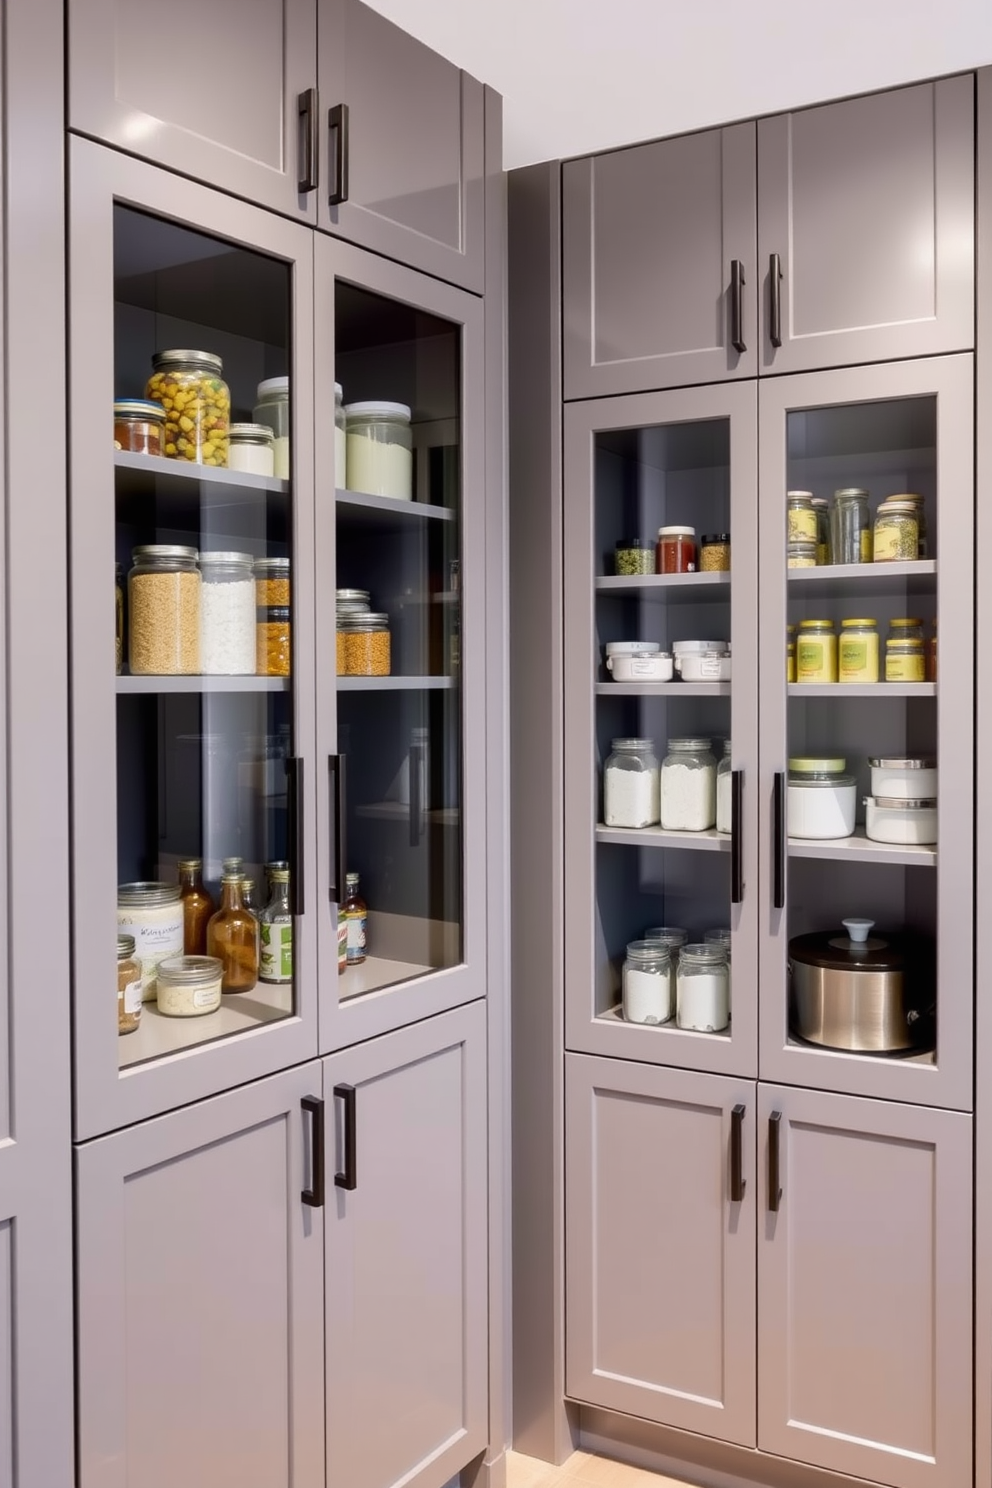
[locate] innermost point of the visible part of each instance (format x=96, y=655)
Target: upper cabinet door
x=233, y=105
x=659, y=282
x=404, y=131
x=866, y=228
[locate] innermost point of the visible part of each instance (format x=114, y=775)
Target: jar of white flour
x=630, y=784
x=647, y=988
x=688, y=786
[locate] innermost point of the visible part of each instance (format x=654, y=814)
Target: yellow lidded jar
x=905, y=661
x=857, y=656
x=790, y=653
x=816, y=651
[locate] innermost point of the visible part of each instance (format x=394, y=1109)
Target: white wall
x=580, y=75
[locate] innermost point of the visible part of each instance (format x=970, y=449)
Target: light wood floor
x=582, y=1470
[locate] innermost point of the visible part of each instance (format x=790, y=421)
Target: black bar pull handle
x=417, y=757
x=774, y=1161
x=778, y=842
x=296, y=833
x=337, y=123
x=338, y=785
x=738, y=1182
x=314, y=1196
x=348, y=1178
x=737, y=305
x=309, y=120
x=737, y=836
x=775, y=299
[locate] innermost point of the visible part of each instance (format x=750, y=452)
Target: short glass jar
x=703, y=998
x=816, y=651
x=724, y=791
x=905, y=661
x=822, y=508
x=714, y=552
x=250, y=449
x=271, y=581
x=380, y=450
x=189, y=986
x=800, y=554
x=272, y=409
x=800, y=517
x=364, y=649
x=908, y=629
x=128, y=985
x=688, y=786
x=190, y=387
x=850, y=526
x=227, y=615
x=631, y=784
x=647, y=983
x=821, y=800
x=897, y=531
x=152, y=913
x=139, y=426
x=340, y=439
x=674, y=938
x=857, y=651
x=163, y=604
x=273, y=638
x=675, y=551
x=631, y=556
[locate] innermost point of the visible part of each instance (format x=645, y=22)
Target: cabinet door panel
x=660, y=1258
x=184, y=87
x=406, y=1256
x=413, y=148
x=869, y=204
x=199, y=1284
x=864, y=1279
x=648, y=237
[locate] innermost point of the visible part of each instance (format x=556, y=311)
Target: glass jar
x=647, y=983
x=276, y=931
x=380, y=450
x=821, y=801
x=272, y=409
x=271, y=581
x=822, y=508
x=703, y=998
x=273, y=641
x=932, y=656
x=152, y=913
x=128, y=985
x=352, y=601
x=190, y=387
x=857, y=652
x=897, y=531
x=139, y=426
x=909, y=628
x=365, y=646
x=163, y=604
x=800, y=517
x=189, y=986
x=800, y=554
x=850, y=526
x=197, y=904
x=675, y=551
x=356, y=921
x=724, y=792
x=250, y=449
x=631, y=556
x=816, y=651
x=714, y=552
x=630, y=784
x=790, y=653
x=232, y=936
x=673, y=938
x=119, y=606
x=688, y=786
x=340, y=439
x=227, y=615
x=905, y=661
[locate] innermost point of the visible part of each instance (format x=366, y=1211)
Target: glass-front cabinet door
x=400, y=601
x=867, y=783
x=192, y=650
x=661, y=727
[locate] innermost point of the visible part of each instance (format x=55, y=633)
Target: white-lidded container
x=380, y=450
x=821, y=801
x=904, y=779
x=638, y=661
x=702, y=661
x=901, y=820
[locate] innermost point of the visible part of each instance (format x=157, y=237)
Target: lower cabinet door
x=199, y=1289
x=865, y=1287
x=660, y=1248
x=406, y=1290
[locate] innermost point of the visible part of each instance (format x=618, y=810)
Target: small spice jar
x=164, y=611
x=905, y=661
x=857, y=652
x=128, y=985
x=271, y=581
x=850, y=526
x=631, y=556
x=816, y=651
x=273, y=654
x=139, y=426
x=380, y=450
x=631, y=784
x=272, y=409
x=647, y=985
x=675, y=550
x=119, y=603
x=822, y=508
x=365, y=645
x=688, y=786
x=189, y=986
x=800, y=517
x=800, y=554
x=703, y=996
x=714, y=552
x=250, y=449
x=897, y=531
x=790, y=653
x=191, y=389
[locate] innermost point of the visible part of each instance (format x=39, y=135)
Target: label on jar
x=356, y=937
x=867, y=545
x=905, y=668
x=132, y=997
x=205, y=997
x=342, y=940
x=802, y=525
x=816, y=660
x=276, y=962
x=896, y=540
x=858, y=659
x=158, y=932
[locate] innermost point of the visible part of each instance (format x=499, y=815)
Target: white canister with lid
x=153, y=914
x=380, y=450
x=906, y=779
x=250, y=449
x=272, y=409
x=702, y=661
x=638, y=661
x=901, y=820
x=821, y=800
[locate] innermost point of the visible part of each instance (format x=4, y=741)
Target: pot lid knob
x=858, y=929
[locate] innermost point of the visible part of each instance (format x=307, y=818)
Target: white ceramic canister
x=904, y=779
x=901, y=820
x=189, y=986
x=821, y=801
x=702, y=661
x=153, y=914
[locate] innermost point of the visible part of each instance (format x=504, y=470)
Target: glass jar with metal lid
x=714, y=552
x=380, y=449
x=816, y=651
x=908, y=628
x=271, y=581
x=821, y=799
x=905, y=661
x=227, y=615
x=349, y=601
x=688, y=786
x=850, y=526
x=857, y=652
x=128, y=986
x=800, y=516
x=674, y=938
x=800, y=554
x=790, y=653
x=822, y=508
x=647, y=983
x=152, y=913
x=703, y=998
x=164, y=611
x=897, y=531
x=189, y=986
x=630, y=784
x=909, y=778
x=272, y=409
x=250, y=449
x=190, y=387
x=139, y=426
x=273, y=638
x=364, y=644
x=632, y=557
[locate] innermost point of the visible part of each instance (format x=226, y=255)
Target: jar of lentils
x=897, y=531
x=190, y=387
x=163, y=606
x=363, y=644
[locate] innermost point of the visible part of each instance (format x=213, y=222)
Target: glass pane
x=398, y=641
x=204, y=705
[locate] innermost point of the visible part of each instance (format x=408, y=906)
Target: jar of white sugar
x=380, y=450
x=703, y=989
x=630, y=784
x=688, y=786
x=724, y=792
x=272, y=409
x=227, y=614
x=647, y=988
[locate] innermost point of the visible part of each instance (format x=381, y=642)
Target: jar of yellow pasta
x=190, y=387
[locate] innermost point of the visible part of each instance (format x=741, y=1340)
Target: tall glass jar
x=272, y=408
x=380, y=450
x=800, y=516
x=340, y=439
x=703, y=1002
x=724, y=808
x=688, y=786
x=850, y=526
x=647, y=993
x=821, y=506
x=232, y=936
x=276, y=930
x=197, y=904
x=190, y=387
x=227, y=615
x=163, y=605
x=673, y=938
x=631, y=784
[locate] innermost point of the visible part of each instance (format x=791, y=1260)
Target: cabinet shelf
x=862, y=689
x=395, y=684
x=129, y=685
x=708, y=841
x=851, y=580
x=138, y=475
x=363, y=510
x=375, y=973
x=706, y=587
x=663, y=689
x=615, y=1015
x=157, y=1036
x=861, y=849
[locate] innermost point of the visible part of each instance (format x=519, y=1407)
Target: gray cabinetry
x=659, y=264
x=864, y=1279
x=660, y=1257
x=406, y=1292
x=199, y=1269
x=867, y=208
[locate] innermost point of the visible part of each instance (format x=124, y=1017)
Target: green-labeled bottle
x=276, y=928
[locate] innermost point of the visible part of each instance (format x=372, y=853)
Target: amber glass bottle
x=232, y=936
x=198, y=906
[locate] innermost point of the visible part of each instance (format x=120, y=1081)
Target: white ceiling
x=580, y=75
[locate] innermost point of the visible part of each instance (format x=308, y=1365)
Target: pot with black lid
x=862, y=993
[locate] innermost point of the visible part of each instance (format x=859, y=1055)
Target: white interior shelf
x=157, y=1036
x=709, y=841
x=663, y=689
x=202, y=684
x=375, y=973
x=861, y=849
x=862, y=689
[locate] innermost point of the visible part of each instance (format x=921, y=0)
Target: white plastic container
x=904, y=779
x=702, y=661
x=901, y=820
x=821, y=801
x=638, y=661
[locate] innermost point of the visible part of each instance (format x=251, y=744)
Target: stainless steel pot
x=859, y=992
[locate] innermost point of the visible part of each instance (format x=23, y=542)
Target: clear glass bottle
x=356, y=919
x=631, y=784
x=850, y=526
x=198, y=906
x=232, y=936
x=688, y=786
x=703, y=1002
x=272, y=409
x=128, y=986
x=724, y=809
x=647, y=988
x=276, y=931
x=163, y=606
x=190, y=387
